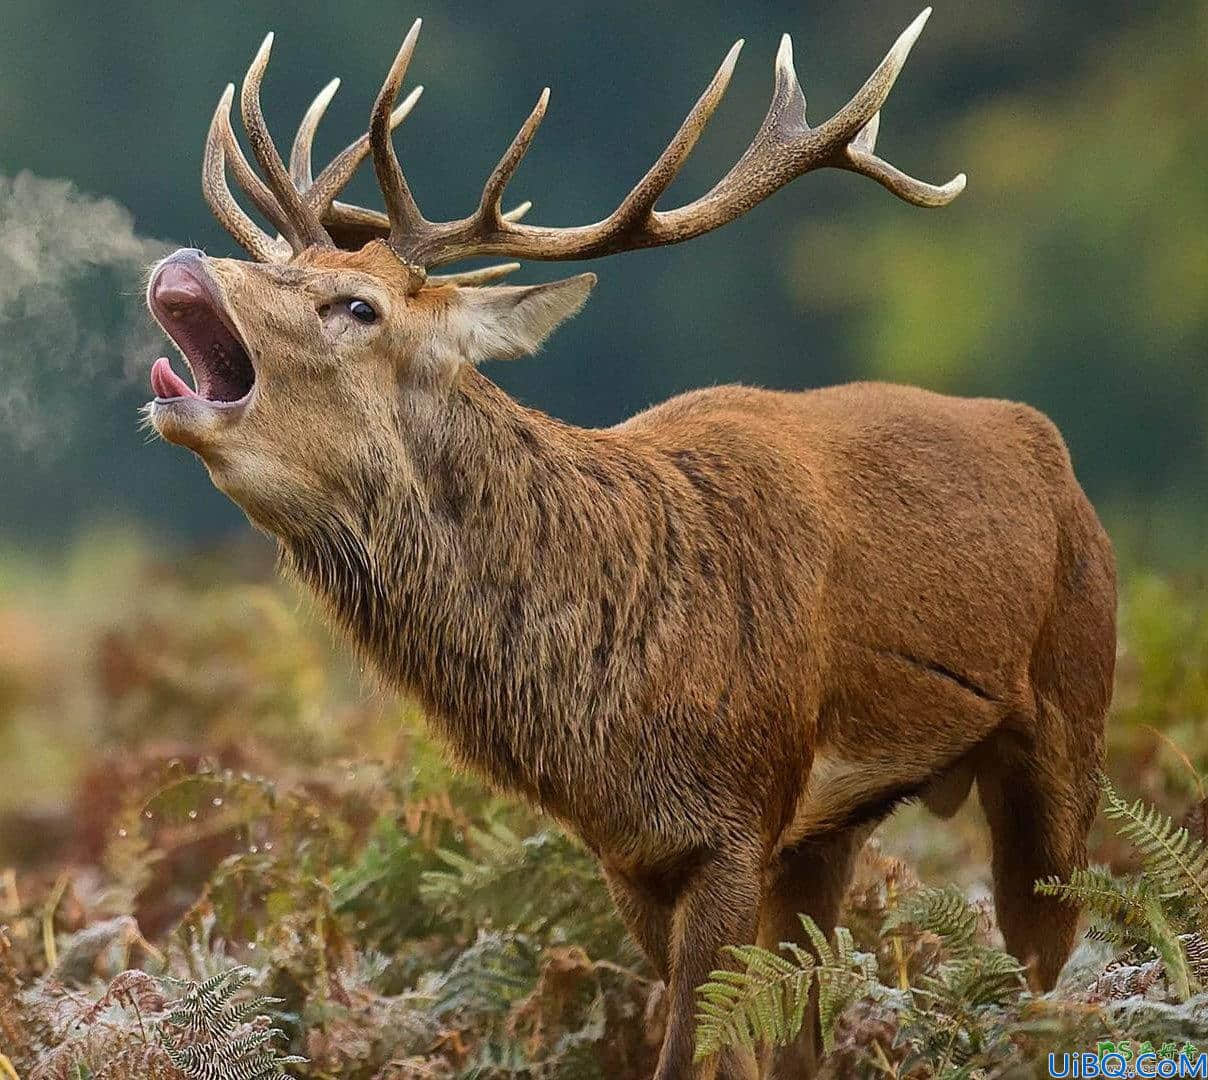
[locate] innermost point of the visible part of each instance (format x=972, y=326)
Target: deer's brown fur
x=718, y=641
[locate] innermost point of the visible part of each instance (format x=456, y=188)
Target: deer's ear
x=501, y=322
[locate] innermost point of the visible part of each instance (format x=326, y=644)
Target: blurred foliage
x=226, y=793
x=1071, y=274
x=192, y=780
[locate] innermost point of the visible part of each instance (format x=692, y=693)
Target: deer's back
x=925, y=524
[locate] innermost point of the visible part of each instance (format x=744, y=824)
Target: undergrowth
x=257, y=865
x=964, y=1009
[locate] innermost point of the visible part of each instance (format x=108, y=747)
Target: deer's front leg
x=718, y=906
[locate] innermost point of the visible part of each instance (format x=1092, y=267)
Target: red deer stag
x=719, y=641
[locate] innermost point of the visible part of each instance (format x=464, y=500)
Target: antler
x=784, y=147
x=304, y=210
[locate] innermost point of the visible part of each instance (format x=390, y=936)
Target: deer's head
x=310, y=373
x=311, y=362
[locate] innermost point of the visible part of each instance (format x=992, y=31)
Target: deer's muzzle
x=188, y=305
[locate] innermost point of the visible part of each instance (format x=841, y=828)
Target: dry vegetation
x=223, y=855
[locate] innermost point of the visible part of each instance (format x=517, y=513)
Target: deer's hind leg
x=1038, y=775
x=647, y=916
x=811, y=879
x=1040, y=801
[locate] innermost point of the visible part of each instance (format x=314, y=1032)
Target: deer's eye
x=362, y=312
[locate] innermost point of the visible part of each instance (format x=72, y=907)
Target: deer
x=718, y=642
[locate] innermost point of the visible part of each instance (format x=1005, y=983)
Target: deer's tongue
x=166, y=383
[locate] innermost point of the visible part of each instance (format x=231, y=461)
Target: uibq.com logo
x=1125, y=1059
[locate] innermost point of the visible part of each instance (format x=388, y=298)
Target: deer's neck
x=503, y=579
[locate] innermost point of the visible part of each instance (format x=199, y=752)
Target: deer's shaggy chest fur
x=654, y=630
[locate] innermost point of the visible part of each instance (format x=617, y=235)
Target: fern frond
x=944, y=912
x=211, y=1035
x=977, y=979
x=507, y=883
x=489, y=976
x=1126, y=912
x=765, y=1002
x=1099, y=890
x=1118, y=982
x=1195, y=948
x=1170, y=949
x=202, y=1006
x=1169, y=853
x=844, y=976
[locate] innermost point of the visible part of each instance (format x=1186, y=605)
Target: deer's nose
x=185, y=255
x=178, y=281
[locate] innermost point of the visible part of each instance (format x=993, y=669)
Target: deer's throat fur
x=499, y=576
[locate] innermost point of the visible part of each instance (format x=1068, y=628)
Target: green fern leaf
x=1170, y=854
x=943, y=912
x=1099, y=890
x=765, y=1002
x=488, y=977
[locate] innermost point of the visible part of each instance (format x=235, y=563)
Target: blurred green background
x=1072, y=274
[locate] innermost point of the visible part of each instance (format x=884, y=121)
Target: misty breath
x=71, y=269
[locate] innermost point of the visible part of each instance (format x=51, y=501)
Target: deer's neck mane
x=504, y=578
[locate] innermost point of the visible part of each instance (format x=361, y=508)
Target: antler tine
x=859, y=135
x=254, y=240
x=492, y=191
x=404, y=214
x=785, y=119
x=639, y=203
x=860, y=159
x=336, y=174
x=299, y=154
x=245, y=175
x=475, y=277
x=304, y=227
x=867, y=101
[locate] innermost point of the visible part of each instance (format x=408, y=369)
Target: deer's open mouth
x=184, y=301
